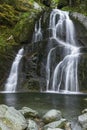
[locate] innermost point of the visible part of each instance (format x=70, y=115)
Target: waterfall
x=48, y=67
x=64, y=76
x=37, y=35
x=11, y=83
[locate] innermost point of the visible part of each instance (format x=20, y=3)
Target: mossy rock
x=21, y=5
x=24, y=28
x=33, y=85
x=62, y=3
x=8, y=15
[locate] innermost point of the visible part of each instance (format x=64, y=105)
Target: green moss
x=6, y=37
x=7, y=122
x=8, y=15
x=54, y=3
x=78, y=9
x=24, y=28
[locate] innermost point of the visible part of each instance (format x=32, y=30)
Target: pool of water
x=70, y=105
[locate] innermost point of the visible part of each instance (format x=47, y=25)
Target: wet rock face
x=82, y=72
x=32, y=63
x=80, y=22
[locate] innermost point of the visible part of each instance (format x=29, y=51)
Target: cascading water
x=64, y=76
x=37, y=36
x=11, y=83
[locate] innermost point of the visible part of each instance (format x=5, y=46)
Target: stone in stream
x=82, y=119
x=68, y=126
x=29, y=113
x=32, y=125
x=52, y=115
x=11, y=119
x=56, y=124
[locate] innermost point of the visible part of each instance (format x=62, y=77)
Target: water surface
x=70, y=105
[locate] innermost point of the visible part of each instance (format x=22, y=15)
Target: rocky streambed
x=29, y=119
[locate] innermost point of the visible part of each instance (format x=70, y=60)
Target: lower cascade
x=11, y=83
x=63, y=76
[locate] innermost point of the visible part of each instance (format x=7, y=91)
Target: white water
x=64, y=76
x=48, y=68
x=37, y=36
x=11, y=83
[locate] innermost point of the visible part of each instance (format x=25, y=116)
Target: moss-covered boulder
x=29, y=113
x=52, y=115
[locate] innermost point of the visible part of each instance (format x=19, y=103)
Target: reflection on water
x=10, y=99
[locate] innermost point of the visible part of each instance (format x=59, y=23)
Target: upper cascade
x=63, y=75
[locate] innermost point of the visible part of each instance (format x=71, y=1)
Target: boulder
x=28, y=112
x=3, y=126
x=83, y=120
x=68, y=126
x=11, y=119
x=55, y=124
x=52, y=115
x=32, y=125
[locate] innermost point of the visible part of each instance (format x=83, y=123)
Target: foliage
x=8, y=15
x=54, y=3
x=74, y=5
x=14, y=12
